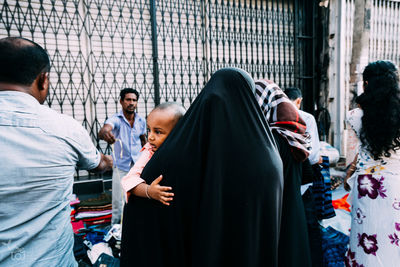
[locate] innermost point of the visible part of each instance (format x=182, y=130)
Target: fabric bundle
x=283, y=117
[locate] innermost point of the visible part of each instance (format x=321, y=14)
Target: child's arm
x=132, y=179
x=154, y=191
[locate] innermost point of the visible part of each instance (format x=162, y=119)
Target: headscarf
x=283, y=117
x=226, y=173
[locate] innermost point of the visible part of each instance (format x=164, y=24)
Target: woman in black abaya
x=289, y=131
x=225, y=171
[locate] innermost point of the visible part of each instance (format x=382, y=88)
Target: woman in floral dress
x=375, y=184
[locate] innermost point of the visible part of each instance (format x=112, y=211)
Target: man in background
x=295, y=95
x=40, y=151
x=129, y=130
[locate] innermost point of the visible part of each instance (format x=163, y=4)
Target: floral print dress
x=375, y=200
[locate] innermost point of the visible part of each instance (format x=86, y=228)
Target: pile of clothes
x=96, y=241
x=95, y=246
x=95, y=211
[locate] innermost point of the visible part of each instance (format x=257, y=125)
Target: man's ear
x=297, y=102
x=43, y=86
x=43, y=83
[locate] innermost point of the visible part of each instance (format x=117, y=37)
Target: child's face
x=159, y=124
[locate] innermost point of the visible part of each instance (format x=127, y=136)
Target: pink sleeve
x=132, y=179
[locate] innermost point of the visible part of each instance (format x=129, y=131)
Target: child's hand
x=159, y=192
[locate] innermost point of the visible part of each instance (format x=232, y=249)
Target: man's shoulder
x=115, y=118
x=308, y=117
x=61, y=125
x=305, y=114
x=56, y=117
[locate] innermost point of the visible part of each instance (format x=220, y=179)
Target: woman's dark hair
x=380, y=102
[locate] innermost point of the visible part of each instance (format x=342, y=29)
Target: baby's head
x=160, y=122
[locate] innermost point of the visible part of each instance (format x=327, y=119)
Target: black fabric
x=80, y=250
x=222, y=163
x=313, y=226
x=314, y=229
x=294, y=250
x=307, y=172
x=106, y=260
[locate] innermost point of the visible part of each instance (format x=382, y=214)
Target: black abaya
x=223, y=165
x=294, y=250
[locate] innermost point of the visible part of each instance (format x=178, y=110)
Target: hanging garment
x=294, y=247
x=321, y=189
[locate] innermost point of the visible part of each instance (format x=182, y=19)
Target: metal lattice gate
x=166, y=49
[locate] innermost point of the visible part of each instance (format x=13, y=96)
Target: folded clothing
x=94, y=208
x=98, y=222
x=108, y=216
x=76, y=226
x=103, y=199
x=91, y=214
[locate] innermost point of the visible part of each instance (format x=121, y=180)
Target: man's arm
x=313, y=131
x=105, y=164
x=106, y=134
x=143, y=139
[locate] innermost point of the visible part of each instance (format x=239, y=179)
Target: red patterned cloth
x=283, y=117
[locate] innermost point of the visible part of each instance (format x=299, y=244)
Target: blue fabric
x=334, y=247
x=328, y=210
x=96, y=235
x=40, y=151
x=129, y=136
x=321, y=190
x=318, y=191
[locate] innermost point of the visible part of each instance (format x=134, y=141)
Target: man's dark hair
x=293, y=93
x=21, y=60
x=128, y=91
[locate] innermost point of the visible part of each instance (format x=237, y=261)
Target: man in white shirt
x=41, y=150
x=294, y=94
